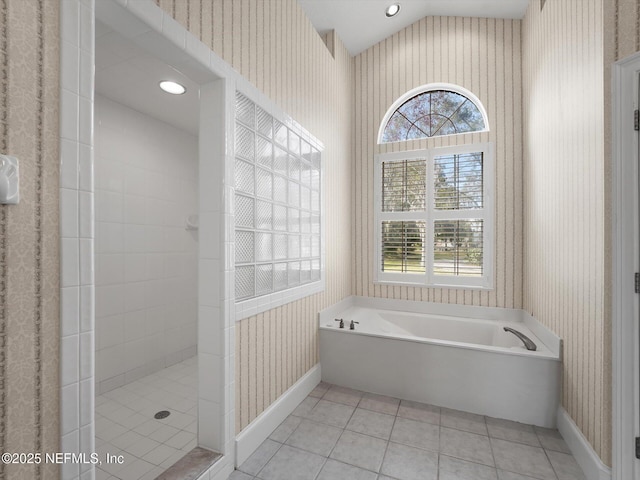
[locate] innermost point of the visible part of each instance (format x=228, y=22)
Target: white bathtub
x=446, y=355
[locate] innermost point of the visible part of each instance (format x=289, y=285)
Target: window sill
x=254, y=306
x=433, y=285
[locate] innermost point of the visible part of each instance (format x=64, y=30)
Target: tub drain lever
x=341, y=322
x=352, y=325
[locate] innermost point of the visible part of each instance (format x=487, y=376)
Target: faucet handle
x=352, y=325
x=341, y=322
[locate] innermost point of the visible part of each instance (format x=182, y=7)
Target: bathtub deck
x=347, y=434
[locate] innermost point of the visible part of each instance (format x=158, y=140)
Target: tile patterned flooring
x=342, y=434
x=125, y=424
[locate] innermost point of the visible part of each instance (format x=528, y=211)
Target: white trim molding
x=583, y=452
x=265, y=423
x=625, y=263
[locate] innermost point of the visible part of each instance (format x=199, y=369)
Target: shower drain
x=162, y=414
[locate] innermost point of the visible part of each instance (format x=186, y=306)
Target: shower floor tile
x=125, y=423
x=425, y=443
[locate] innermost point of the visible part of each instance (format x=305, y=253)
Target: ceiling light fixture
x=172, y=87
x=392, y=10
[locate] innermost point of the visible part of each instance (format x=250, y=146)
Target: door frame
x=625, y=247
x=148, y=25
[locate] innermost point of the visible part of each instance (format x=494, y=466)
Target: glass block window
x=277, y=204
x=434, y=217
x=432, y=111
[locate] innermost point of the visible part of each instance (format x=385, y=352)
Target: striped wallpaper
x=274, y=46
x=482, y=55
x=29, y=259
x=565, y=225
x=622, y=28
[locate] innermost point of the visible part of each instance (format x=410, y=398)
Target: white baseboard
x=582, y=450
x=260, y=429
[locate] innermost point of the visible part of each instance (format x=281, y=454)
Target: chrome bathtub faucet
x=341, y=322
x=528, y=343
x=352, y=325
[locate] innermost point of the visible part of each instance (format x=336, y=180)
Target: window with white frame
x=434, y=110
x=277, y=204
x=434, y=216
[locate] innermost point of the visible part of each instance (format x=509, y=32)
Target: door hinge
x=637, y=282
x=636, y=120
x=637, y=447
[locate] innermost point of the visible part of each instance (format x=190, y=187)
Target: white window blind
x=402, y=246
x=404, y=186
x=434, y=216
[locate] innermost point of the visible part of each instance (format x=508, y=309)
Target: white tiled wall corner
x=69, y=311
x=211, y=278
x=69, y=409
x=70, y=443
x=146, y=261
x=76, y=231
x=142, y=18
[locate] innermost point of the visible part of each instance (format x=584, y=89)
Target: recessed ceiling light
x=392, y=10
x=172, y=87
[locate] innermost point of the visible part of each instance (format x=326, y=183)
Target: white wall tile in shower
x=146, y=261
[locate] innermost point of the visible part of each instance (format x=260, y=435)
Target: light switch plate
x=9, y=180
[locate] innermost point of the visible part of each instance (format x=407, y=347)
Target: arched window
x=434, y=207
x=433, y=110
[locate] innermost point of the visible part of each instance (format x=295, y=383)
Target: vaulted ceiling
x=363, y=23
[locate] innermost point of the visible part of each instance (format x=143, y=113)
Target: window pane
x=446, y=103
x=294, y=220
x=244, y=176
x=279, y=246
x=458, y=248
x=244, y=211
x=294, y=143
x=245, y=281
x=264, y=279
x=244, y=246
x=245, y=143
x=458, y=181
x=468, y=118
x=245, y=110
x=263, y=247
x=417, y=107
x=404, y=186
x=396, y=129
x=403, y=246
x=294, y=167
x=293, y=273
x=265, y=152
x=264, y=215
x=280, y=134
x=280, y=161
x=264, y=183
x=280, y=276
x=305, y=271
x=433, y=113
x=265, y=123
x=277, y=189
